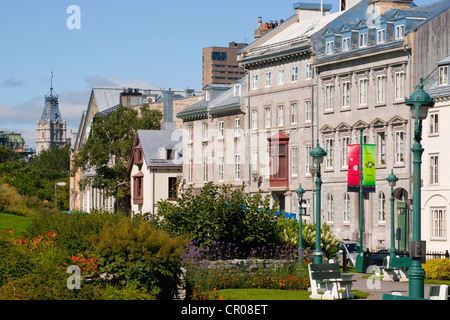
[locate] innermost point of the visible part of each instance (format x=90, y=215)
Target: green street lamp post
x=392, y=179
x=318, y=153
x=300, y=191
x=419, y=103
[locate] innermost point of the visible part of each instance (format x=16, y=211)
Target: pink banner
x=354, y=171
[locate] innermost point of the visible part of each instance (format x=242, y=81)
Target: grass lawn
x=273, y=294
x=17, y=223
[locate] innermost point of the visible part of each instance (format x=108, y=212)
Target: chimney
x=384, y=6
x=168, y=123
x=130, y=97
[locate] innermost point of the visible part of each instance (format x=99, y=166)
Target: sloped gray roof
x=155, y=143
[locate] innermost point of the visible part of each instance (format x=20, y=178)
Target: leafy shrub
x=437, y=269
x=140, y=256
x=220, y=212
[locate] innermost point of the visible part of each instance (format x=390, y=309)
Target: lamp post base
x=416, y=276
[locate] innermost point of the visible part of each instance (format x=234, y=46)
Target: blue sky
x=120, y=43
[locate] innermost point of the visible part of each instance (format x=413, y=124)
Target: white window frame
x=254, y=162
x=434, y=169
x=294, y=75
x=399, y=86
x=268, y=82
x=237, y=127
x=346, y=94
x=443, y=75
x=254, y=119
x=237, y=90
x=438, y=216
x=294, y=113
x=308, y=111
x=345, y=141
x=330, y=207
x=266, y=162
x=221, y=126
x=294, y=161
x=329, y=148
x=221, y=167
x=363, y=40
x=254, y=81
x=381, y=148
x=346, y=44
x=363, y=87
x=267, y=117
x=280, y=115
x=280, y=76
x=399, y=147
x=205, y=169
x=399, y=32
x=329, y=48
x=329, y=93
x=347, y=208
x=190, y=134
x=237, y=167
x=308, y=70
x=434, y=123
x=381, y=36
x=308, y=150
x=191, y=170
x=205, y=131
x=381, y=202
x=381, y=89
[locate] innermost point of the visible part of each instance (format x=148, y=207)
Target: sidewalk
x=376, y=288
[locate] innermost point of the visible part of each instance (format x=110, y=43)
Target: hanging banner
x=353, y=168
x=368, y=167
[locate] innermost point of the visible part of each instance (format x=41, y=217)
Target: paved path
x=376, y=288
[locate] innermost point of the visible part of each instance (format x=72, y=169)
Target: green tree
x=109, y=146
x=7, y=154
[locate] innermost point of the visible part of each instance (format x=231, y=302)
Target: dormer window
x=208, y=94
x=169, y=154
x=346, y=44
x=399, y=31
x=443, y=75
x=237, y=90
x=363, y=40
x=329, y=48
x=381, y=36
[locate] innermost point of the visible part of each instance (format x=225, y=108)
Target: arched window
x=381, y=205
x=346, y=208
x=330, y=207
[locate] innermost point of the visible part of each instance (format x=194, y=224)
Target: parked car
x=351, y=251
x=378, y=257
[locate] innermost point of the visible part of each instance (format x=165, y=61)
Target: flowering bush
x=437, y=269
x=87, y=265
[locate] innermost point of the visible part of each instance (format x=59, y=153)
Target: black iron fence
x=378, y=257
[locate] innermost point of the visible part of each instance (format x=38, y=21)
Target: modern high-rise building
x=220, y=65
x=51, y=128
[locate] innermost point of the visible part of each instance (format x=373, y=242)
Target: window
x=308, y=70
x=347, y=207
x=172, y=187
x=399, y=147
x=205, y=169
x=381, y=36
x=363, y=84
x=307, y=160
x=329, y=151
x=346, y=94
x=267, y=117
x=221, y=128
x=328, y=97
x=281, y=76
x=362, y=40
x=237, y=127
x=207, y=94
x=443, y=75
x=268, y=79
x=381, y=205
x=237, y=167
x=399, y=86
x=308, y=111
x=434, y=169
x=266, y=163
x=190, y=133
x=330, y=207
x=438, y=224
x=219, y=56
x=255, y=161
x=254, y=119
x=237, y=90
x=329, y=48
x=280, y=116
x=294, y=113
x=169, y=154
x=254, y=81
x=346, y=44
x=381, y=148
x=294, y=74
x=221, y=163
x=294, y=161
x=138, y=188
x=205, y=131
x=191, y=170
x=344, y=152
x=381, y=89
x=434, y=123
x=399, y=32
